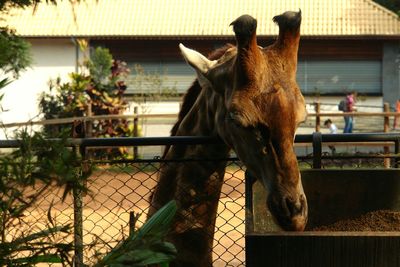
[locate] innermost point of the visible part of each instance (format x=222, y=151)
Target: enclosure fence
x=120, y=188
x=369, y=118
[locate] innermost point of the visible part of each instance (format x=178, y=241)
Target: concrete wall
x=391, y=72
x=50, y=59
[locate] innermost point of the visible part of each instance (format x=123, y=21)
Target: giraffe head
x=261, y=109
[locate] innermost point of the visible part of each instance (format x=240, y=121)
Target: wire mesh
x=352, y=156
x=119, y=187
x=116, y=189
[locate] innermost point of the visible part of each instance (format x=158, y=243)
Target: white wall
x=57, y=57
x=51, y=58
x=157, y=126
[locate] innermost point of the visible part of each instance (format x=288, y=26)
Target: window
x=313, y=76
x=158, y=77
x=337, y=77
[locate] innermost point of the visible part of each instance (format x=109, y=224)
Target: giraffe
x=247, y=96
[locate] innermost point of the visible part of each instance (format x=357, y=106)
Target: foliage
x=27, y=173
x=6, y=4
x=145, y=246
x=393, y=5
x=39, y=247
x=15, y=51
x=98, y=92
x=100, y=66
x=14, y=56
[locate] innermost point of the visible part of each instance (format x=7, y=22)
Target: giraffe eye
x=264, y=151
x=263, y=131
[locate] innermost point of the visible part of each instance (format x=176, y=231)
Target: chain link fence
x=134, y=181
x=118, y=188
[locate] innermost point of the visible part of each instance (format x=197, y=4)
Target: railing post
x=317, y=117
x=88, y=132
x=132, y=222
x=249, y=182
x=386, y=125
x=78, y=219
x=88, y=123
x=317, y=150
x=386, y=128
x=135, y=130
x=396, y=151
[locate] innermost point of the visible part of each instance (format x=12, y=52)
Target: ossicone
x=289, y=19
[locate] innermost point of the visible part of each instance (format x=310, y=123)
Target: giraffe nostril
x=294, y=207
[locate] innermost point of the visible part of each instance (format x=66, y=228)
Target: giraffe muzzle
x=289, y=213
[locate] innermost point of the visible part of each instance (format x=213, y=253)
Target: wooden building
x=346, y=45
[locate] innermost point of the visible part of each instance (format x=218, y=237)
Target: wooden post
x=386, y=124
x=78, y=219
x=317, y=117
x=88, y=123
x=132, y=222
x=386, y=128
x=135, y=130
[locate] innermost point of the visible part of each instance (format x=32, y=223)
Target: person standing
x=350, y=107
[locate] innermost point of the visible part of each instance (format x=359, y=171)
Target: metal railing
x=383, y=117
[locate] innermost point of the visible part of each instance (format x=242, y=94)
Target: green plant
x=145, y=246
x=98, y=92
x=6, y=4
x=36, y=166
x=14, y=56
x=393, y=5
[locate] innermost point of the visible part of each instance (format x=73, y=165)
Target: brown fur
x=251, y=100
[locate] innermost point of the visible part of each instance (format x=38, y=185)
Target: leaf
x=147, y=241
x=40, y=234
x=164, y=247
x=49, y=258
x=142, y=257
x=160, y=221
x=49, y=214
x=4, y=83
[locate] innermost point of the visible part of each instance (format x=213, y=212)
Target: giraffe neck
x=195, y=185
x=204, y=118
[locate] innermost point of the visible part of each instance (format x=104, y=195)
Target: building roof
x=195, y=18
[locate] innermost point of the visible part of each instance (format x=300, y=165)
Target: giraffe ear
x=199, y=62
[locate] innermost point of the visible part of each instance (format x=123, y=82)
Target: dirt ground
x=114, y=194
